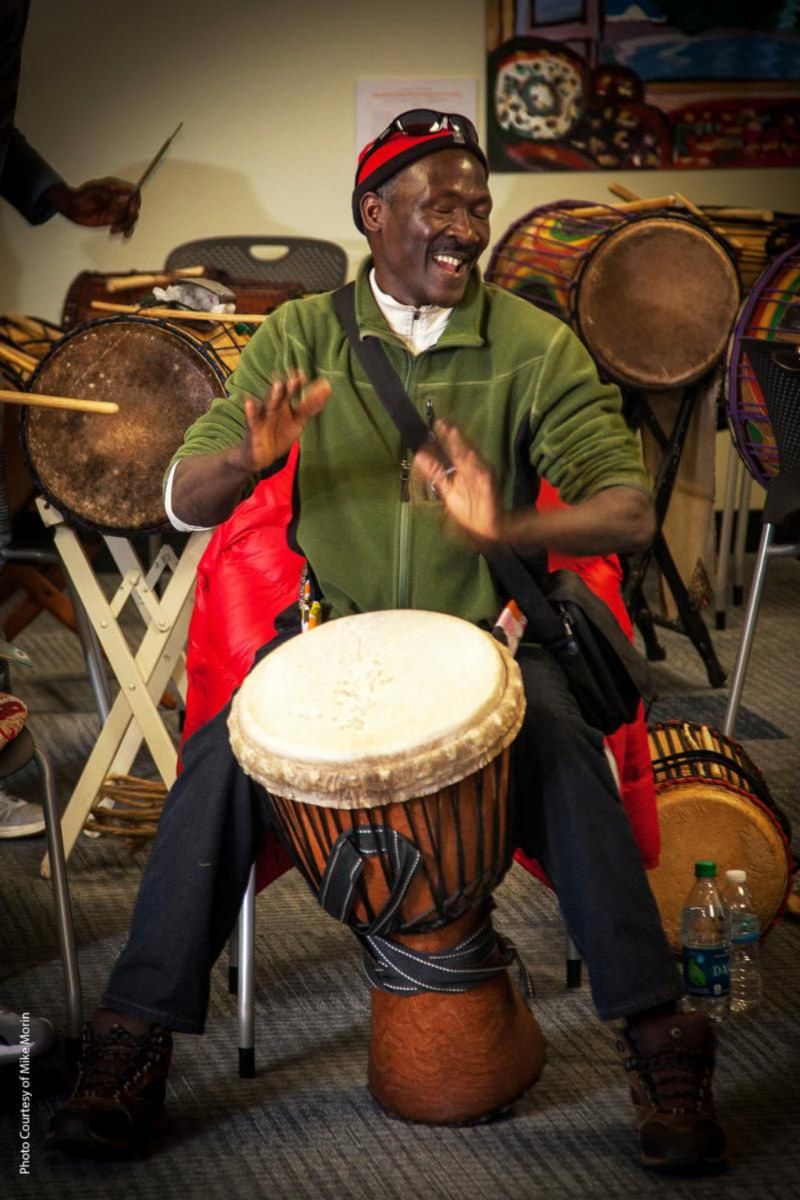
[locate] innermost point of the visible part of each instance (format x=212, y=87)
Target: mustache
x=451, y=245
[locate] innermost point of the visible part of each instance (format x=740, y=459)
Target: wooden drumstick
x=29, y=325
x=124, y=283
x=34, y=400
x=698, y=212
x=745, y=214
x=603, y=210
x=156, y=159
x=26, y=361
x=177, y=314
x=619, y=189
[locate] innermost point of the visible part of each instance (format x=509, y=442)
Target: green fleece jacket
x=517, y=382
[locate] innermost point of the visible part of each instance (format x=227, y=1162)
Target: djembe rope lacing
x=388, y=965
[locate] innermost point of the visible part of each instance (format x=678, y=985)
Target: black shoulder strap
x=512, y=574
x=383, y=378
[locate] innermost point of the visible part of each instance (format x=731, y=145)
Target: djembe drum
x=770, y=314
x=104, y=473
x=653, y=297
x=382, y=740
x=713, y=802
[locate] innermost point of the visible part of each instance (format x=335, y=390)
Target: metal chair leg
x=726, y=536
x=748, y=630
x=740, y=541
x=63, y=906
x=247, y=929
x=233, y=960
x=574, y=963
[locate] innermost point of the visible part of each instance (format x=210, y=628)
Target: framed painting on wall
x=589, y=85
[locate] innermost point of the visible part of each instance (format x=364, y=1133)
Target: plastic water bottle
x=706, y=946
x=744, y=933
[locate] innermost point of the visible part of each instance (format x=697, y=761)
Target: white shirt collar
x=420, y=328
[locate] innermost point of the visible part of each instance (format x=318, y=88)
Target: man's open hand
x=275, y=423
x=466, y=488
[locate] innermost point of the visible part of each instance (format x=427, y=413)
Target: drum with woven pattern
x=713, y=803
x=756, y=236
x=653, y=297
x=24, y=341
x=104, y=473
x=771, y=313
x=383, y=741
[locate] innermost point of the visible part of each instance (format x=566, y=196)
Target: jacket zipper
x=404, y=542
x=404, y=534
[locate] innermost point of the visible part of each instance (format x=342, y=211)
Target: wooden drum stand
x=142, y=675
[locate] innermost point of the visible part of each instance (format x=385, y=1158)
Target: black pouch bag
x=607, y=675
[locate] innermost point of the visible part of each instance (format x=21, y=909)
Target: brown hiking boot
x=670, y=1061
x=119, y=1093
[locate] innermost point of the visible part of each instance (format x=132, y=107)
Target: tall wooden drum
x=383, y=742
x=653, y=297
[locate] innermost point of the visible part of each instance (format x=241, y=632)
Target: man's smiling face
x=428, y=232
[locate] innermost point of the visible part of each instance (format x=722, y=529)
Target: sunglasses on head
x=417, y=122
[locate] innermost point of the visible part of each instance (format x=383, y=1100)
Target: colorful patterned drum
x=652, y=297
x=771, y=313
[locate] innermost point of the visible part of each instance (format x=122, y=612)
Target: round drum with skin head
x=652, y=297
x=713, y=803
x=383, y=741
x=104, y=473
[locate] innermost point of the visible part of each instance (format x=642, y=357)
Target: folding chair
x=318, y=266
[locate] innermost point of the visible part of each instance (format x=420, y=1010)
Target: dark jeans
x=569, y=817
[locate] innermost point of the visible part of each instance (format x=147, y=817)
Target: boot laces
x=676, y=1080
x=111, y=1061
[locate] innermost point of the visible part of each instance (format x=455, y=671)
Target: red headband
x=399, y=143
x=399, y=151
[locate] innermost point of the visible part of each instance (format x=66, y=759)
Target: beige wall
x=266, y=92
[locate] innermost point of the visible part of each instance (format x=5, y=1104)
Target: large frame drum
x=771, y=313
x=653, y=297
x=383, y=741
x=104, y=473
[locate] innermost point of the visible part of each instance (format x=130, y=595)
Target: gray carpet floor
x=306, y=1126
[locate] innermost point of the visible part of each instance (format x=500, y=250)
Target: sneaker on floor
x=22, y=1034
x=670, y=1062
x=120, y=1092
x=18, y=818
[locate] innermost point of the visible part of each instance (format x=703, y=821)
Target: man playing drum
x=514, y=396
